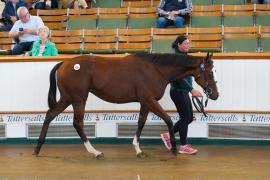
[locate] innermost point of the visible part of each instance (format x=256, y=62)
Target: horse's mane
x=169, y=59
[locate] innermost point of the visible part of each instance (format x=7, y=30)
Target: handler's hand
x=196, y=93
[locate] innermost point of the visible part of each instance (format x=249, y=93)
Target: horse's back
x=118, y=79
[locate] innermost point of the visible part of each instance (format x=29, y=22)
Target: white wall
x=243, y=85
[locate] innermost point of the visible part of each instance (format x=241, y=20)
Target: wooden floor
x=73, y=162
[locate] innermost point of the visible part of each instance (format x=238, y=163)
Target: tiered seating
x=132, y=29
x=265, y=38
x=142, y=17
x=5, y=43
x=163, y=38
x=229, y=2
x=145, y=3
x=206, y=16
x=109, y=18
x=201, y=2
x=238, y=15
x=67, y=41
x=106, y=4
x=99, y=41
x=145, y=17
x=262, y=14
x=54, y=19
x=205, y=40
x=240, y=39
x=82, y=18
x=134, y=40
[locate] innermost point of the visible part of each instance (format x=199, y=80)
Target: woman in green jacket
x=179, y=93
x=43, y=47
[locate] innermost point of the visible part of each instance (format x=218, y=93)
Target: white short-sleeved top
x=34, y=22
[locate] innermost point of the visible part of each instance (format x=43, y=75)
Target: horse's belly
x=120, y=96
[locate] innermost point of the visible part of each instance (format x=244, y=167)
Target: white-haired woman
x=43, y=47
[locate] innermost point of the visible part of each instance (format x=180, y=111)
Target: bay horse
x=133, y=78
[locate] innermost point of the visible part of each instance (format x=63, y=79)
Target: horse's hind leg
x=155, y=107
x=79, y=109
x=50, y=115
x=142, y=119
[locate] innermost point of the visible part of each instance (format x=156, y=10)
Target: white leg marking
x=91, y=149
x=136, y=145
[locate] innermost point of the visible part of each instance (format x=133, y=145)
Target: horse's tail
x=53, y=86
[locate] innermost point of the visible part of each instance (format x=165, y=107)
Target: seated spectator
x=261, y=1
x=76, y=4
x=43, y=47
x=39, y=4
x=45, y=4
x=2, y=6
x=25, y=31
x=9, y=14
x=173, y=12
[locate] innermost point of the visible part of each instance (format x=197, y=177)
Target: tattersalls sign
x=39, y=118
x=133, y=116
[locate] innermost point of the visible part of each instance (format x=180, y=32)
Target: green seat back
x=162, y=46
x=229, y=2
x=240, y=45
x=201, y=2
x=74, y=24
x=106, y=4
x=205, y=21
x=97, y=51
x=141, y=23
x=263, y=20
x=265, y=44
x=192, y=50
x=120, y=23
x=232, y=21
x=121, y=51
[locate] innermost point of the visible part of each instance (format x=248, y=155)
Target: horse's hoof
x=100, y=156
x=142, y=155
x=36, y=152
x=174, y=151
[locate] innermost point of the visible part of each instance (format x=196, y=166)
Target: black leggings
x=183, y=105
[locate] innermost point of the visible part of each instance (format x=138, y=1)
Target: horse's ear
x=207, y=57
x=211, y=55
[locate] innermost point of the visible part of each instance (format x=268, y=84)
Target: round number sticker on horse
x=77, y=67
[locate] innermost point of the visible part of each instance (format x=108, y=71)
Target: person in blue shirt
x=179, y=93
x=173, y=12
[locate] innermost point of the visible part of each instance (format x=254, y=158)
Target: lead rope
x=198, y=104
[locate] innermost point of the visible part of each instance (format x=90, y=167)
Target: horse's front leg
x=78, y=125
x=142, y=119
x=155, y=107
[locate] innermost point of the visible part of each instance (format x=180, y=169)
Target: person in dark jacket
x=173, y=12
x=9, y=14
x=179, y=93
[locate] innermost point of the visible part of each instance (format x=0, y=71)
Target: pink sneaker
x=166, y=139
x=187, y=149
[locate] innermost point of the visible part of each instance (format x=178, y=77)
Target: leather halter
x=197, y=102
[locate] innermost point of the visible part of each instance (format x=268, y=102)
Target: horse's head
x=205, y=77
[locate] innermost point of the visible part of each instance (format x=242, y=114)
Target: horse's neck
x=175, y=72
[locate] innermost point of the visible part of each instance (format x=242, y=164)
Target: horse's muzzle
x=214, y=96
